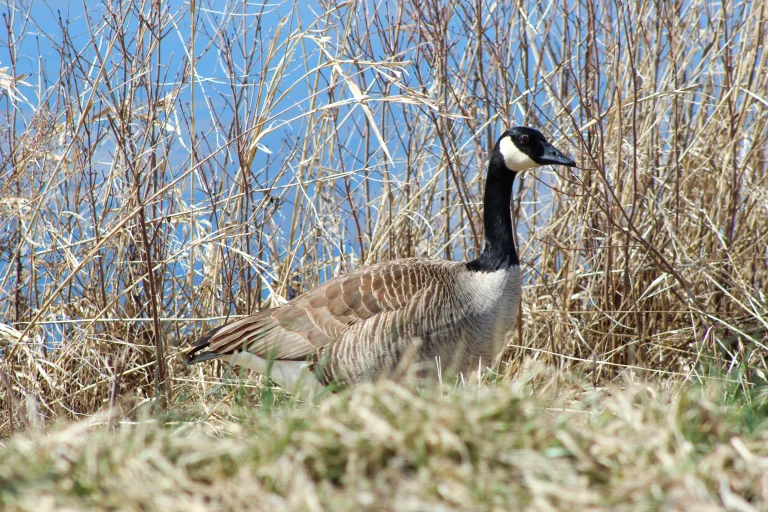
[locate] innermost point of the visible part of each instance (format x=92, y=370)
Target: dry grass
x=145, y=196
x=535, y=442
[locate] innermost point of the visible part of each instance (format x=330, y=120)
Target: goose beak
x=552, y=156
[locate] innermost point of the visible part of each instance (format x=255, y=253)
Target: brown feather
x=321, y=316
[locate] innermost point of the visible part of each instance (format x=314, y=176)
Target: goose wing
x=318, y=318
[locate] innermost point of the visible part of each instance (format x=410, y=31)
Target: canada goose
x=363, y=324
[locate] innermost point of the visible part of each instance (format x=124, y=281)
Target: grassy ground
x=538, y=442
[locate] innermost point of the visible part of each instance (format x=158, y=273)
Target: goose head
x=524, y=148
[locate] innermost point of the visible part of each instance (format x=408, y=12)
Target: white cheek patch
x=514, y=159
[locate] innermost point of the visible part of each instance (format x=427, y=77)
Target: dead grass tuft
x=536, y=441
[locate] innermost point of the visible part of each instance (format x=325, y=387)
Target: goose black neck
x=499, y=250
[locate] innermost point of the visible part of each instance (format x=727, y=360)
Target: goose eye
x=523, y=139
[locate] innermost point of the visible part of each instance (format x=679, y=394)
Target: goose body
x=372, y=322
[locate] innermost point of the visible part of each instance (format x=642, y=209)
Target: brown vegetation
x=138, y=209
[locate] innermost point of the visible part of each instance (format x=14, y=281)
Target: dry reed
x=147, y=193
